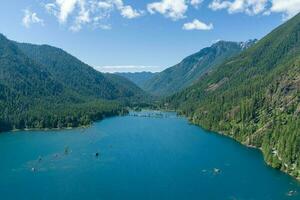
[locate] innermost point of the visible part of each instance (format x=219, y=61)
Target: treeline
x=254, y=98
x=59, y=116
x=45, y=87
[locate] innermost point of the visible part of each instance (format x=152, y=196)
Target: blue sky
x=139, y=35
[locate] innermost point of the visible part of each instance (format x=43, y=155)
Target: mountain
x=193, y=67
x=254, y=98
x=139, y=78
x=44, y=87
x=128, y=89
x=76, y=75
x=21, y=75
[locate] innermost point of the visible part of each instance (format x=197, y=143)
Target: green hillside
x=45, y=87
x=193, y=67
x=76, y=75
x=127, y=90
x=254, y=97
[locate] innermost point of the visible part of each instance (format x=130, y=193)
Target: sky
x=139, y=35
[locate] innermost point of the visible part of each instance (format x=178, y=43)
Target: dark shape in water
x=216, y=171
x=67, y=150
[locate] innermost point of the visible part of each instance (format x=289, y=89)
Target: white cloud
x=251, y=7
x=105, y=5
x=288, y=8
x=51, y=8
x=219, y=5
x=128, y=68
x=89, y=12
x=196, y=3
x=174, y=9
x=66, y=7
x=126, y=10
x=197, y=25
x=31, y=18
x=82, y=18
x=129, y=12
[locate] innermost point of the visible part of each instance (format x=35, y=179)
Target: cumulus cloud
x=104, y=5
x=66, y=8
x=174, y=9
x=197, y=25
x=31, y=18
x=251, y=7
x=288, y=8
x=196, y=3
x=95, y=13
x=89, y=12
x=129, y=12
x=82, y=18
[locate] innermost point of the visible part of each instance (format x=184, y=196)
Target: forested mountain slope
x=128, y=91
x=76, y=75
x=193, y=67
x=254, y=97
x=44, y=87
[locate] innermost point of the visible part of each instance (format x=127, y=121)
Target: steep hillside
x=127, y=89
x=254, y=97
x=44, y=87
x=139, y=78
x=76, y=75
x=193, y=67
x=19, y=74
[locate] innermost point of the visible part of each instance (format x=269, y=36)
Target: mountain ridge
x=45, y=87
x=191, y=68
x=254, y=98
x=55, y=60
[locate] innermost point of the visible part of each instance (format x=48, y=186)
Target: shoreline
x=240, y=142
x=48, y=129
x=229, y=136
x=248, y=146
x=59, y=129
x=160, y=110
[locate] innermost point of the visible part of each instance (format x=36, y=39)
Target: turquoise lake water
x=140, y=158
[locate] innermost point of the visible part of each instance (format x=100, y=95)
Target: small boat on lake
x=216, y=171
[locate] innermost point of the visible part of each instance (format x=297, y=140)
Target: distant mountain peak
x=244, y=45
x=2, y=36
x=193, y=67
x=248, y=43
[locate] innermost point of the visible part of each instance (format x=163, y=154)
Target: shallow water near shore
x=146, y=155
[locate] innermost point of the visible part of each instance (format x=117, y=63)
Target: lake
x=140, y=157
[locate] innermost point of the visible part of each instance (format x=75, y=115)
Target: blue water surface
x=141, y=157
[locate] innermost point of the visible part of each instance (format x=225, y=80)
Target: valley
x=248, y=91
